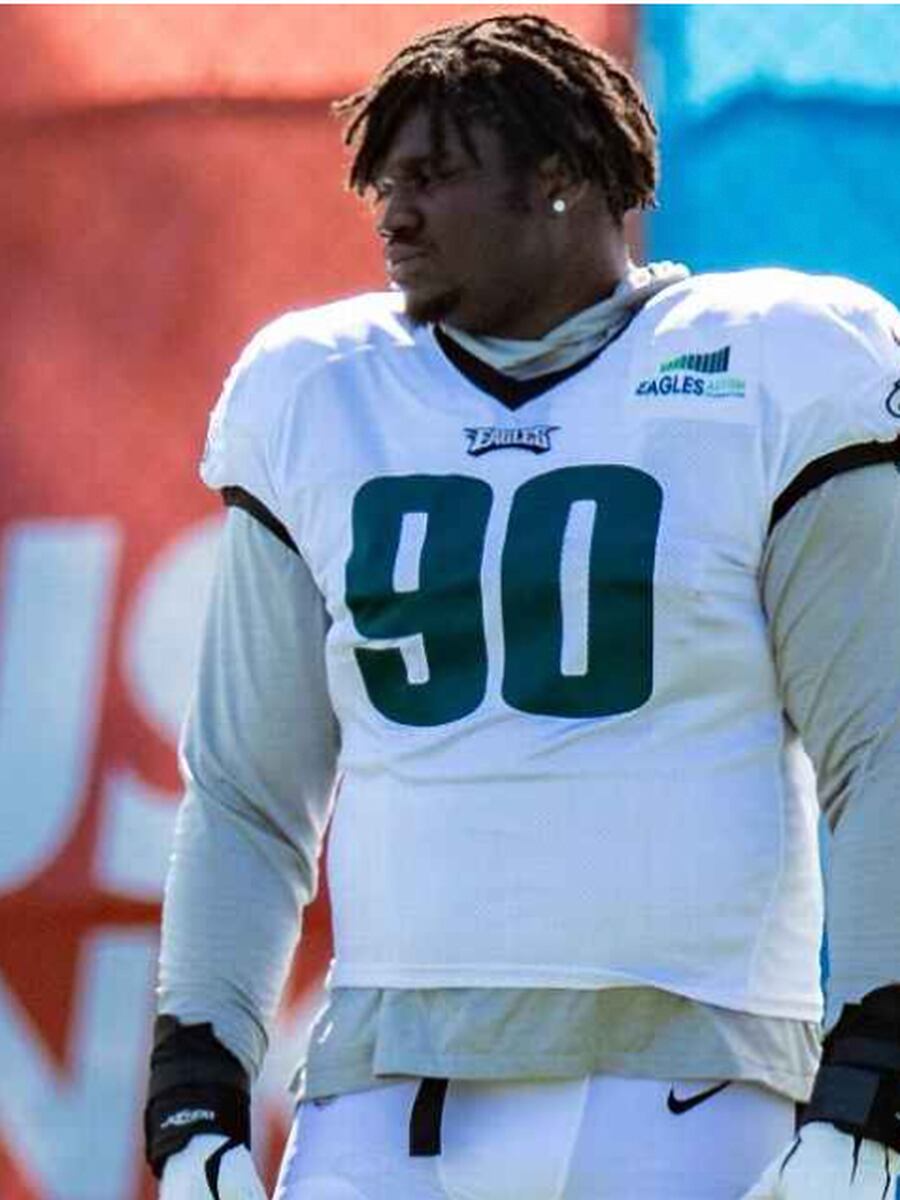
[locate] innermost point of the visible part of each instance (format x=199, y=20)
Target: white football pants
x=600, y=1138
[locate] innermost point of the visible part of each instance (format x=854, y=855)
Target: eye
x=445, y=174
x=438, y=174
x=418, y=180
x=382, y=188
x=421, y=179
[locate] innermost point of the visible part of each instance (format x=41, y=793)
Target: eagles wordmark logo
x=485, y=438
x=695, y=375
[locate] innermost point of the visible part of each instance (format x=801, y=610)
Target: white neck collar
x=578, y=336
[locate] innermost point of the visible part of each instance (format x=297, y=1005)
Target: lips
x=403, y=261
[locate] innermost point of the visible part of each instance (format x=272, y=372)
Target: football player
x=538, y=570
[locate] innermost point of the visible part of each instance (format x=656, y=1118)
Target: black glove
x=857, y=1088
x=196, y=1086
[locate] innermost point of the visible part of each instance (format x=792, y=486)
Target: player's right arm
x=258, y=758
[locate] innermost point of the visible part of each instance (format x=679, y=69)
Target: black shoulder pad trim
x=236, y=497
x=850, y=458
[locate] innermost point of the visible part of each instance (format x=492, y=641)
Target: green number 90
x=608, y=597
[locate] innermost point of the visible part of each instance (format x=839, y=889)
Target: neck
x=574, y=297
x=577, y=337
x=581, y=281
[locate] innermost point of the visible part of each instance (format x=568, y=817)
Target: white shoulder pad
x=268, y=378
x=829, y=369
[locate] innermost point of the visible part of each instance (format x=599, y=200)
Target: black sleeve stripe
x=236, y=497
x=850, y=458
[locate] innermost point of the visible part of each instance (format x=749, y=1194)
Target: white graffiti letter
x=54, y=616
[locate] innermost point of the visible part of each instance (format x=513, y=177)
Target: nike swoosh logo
x=678, y=1107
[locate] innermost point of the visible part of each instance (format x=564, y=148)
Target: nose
x=399, y=216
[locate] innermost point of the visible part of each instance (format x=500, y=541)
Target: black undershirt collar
x=512, y=393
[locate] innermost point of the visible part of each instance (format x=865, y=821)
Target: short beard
x=434, y=308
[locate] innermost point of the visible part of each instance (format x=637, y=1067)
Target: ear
x=558, y=181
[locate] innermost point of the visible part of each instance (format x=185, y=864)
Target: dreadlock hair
x=541, y=87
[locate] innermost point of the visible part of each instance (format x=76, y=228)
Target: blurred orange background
x=172, y=179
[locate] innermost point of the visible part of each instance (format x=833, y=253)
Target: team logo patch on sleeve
x=485, y=438
x=698, y=375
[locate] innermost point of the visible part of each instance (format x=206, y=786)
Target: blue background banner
x=780, y=136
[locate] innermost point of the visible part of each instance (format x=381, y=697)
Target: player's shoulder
x=784, y=308
x=304, y=339
x=768, y=294
x=277, y=368
x=283, y=357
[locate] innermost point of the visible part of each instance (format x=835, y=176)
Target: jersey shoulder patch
x=819, y=356
x=810, y=336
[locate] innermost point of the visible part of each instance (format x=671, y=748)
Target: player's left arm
x=830, y=582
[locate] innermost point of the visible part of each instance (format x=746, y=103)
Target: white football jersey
x=564, y=759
